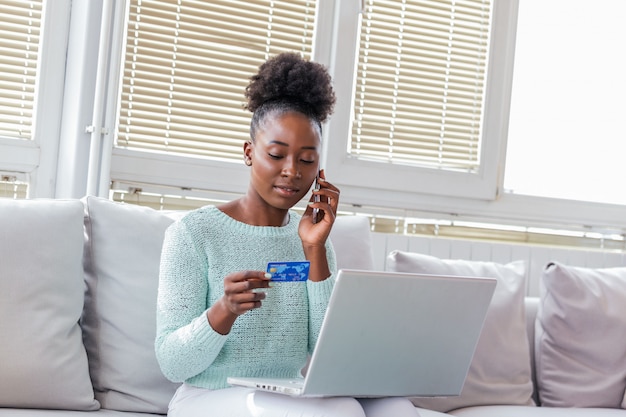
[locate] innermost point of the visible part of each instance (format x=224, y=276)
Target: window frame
x=338, y=21
x=185, y=172
x=351, y=173
x=445, y=195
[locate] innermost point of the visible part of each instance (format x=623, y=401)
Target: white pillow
x=122, y=258
x=43, y=363
x=581, y=337
x=500, y=370
x=352, y=240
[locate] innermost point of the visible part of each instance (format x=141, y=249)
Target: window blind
x=20, y=23
x=187, y=64
x=11, y=187
x=420, y=83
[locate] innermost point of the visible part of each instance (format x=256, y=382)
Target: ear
x=247, y=152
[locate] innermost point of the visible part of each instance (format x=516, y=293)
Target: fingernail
x=310, y=203
x=268, y=275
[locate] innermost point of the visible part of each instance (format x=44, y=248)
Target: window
x=426, y=110
x=12, y=187
x=186, y=67
x=187, y=64
x=566, y=127
x=19, y=50
x=448, y=169
x=420, y=84
x=32, y=74
x=19, y=46
x=179, y=69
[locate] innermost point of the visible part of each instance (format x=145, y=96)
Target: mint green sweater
x=198, y=252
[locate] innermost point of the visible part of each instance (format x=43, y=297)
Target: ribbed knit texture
x=272, y=341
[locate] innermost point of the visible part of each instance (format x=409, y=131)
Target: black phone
x=316, y=198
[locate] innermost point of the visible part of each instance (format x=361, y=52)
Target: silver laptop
x=392, y=334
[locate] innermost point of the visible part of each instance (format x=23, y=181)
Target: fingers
x=329, y=197
x=241, y=290
x=328, y=190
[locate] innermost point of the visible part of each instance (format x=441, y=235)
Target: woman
x=219, y=314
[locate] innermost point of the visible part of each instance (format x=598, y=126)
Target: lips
x=287, y=190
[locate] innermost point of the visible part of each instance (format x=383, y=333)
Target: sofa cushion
x=521, y=411
x=122, y=255
x=25, y=412
x=581, y=337
x=43, y=363
x=500, y=370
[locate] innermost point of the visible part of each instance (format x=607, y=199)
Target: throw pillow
x=581, y=337
x=500, y=370
x=43, y=363
x=122, y=256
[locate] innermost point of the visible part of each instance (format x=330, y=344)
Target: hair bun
x=288, y=77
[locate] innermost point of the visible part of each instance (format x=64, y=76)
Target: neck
x=250, y=212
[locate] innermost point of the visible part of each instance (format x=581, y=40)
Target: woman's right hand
x=239, y=290
x=240, y=296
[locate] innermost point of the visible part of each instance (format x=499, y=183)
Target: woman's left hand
x=316, y=233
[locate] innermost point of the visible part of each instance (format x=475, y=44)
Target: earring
x=248, y=161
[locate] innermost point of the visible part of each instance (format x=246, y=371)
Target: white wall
x=536, y=257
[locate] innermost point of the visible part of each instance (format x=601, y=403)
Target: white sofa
x=78, y=282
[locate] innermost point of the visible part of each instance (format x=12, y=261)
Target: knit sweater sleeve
x=185, y=343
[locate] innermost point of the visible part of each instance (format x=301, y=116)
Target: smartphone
x=316, y=198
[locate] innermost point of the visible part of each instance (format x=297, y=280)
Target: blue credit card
x=289, y=271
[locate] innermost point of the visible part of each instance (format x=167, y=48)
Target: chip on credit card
x=289, y=271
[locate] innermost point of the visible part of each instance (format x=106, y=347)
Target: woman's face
x=284, y=159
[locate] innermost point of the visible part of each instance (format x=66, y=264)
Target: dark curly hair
x=286, y=83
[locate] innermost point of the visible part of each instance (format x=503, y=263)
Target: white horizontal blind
x=20, y=23
x=187, y=64
x=420, y=83
x=11, y=187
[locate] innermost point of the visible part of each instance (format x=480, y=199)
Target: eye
x=308, y=157
x=274, y=156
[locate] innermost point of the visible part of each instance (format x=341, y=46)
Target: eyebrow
x=277, y=142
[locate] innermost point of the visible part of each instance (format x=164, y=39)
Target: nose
x=291, y=168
